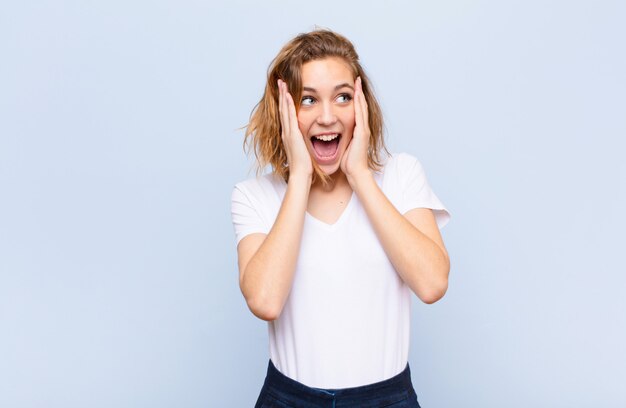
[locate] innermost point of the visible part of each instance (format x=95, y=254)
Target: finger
x=363, y=105
x=280, y=102
x=287, y=109
x=284, y=115
x=346, y=154
x=293, y=124
x=358, y=112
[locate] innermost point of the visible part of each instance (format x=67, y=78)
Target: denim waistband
x=285, y=389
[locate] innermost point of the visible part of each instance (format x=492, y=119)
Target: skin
x=327, y=105
x=412, y=241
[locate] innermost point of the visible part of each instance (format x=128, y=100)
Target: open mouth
x=326, y=146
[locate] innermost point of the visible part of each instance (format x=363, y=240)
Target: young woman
x=332, y=242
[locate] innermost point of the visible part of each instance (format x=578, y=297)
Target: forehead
x=326, y=72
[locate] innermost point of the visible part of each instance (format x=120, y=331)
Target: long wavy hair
x=263, y=132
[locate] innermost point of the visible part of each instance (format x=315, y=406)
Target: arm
x=267, y=262
x=412, y=242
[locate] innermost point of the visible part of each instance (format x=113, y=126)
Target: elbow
x=434, y=294
x=263, y=309
x=260, y=303
x=439, y=287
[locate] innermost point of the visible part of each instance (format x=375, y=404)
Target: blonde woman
x=334, y=239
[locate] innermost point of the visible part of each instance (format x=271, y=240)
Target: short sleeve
x=246, y=218
x=417, y=192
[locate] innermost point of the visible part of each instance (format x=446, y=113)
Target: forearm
x=419, y=261
x=269, y=274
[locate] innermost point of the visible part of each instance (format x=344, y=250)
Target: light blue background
x=119, y=149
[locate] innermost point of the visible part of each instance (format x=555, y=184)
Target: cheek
x=303, y=123
x=349, y=120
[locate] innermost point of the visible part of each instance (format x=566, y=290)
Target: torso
x=346, y=321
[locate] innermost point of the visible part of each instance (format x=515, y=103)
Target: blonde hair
x=263, y=131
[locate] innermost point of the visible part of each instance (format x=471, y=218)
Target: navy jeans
x=280, y=391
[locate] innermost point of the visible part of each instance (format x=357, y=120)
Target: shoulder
x=403, y=158
x=401, y=163
x=260, y=191
x=259, y=184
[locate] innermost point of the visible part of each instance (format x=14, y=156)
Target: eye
x=307, y=100
x=346, y=97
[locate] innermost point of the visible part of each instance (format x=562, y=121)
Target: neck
x=338, y=181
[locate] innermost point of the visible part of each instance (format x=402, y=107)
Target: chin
x=329, y=169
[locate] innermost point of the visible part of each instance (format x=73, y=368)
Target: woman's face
x=326, y=115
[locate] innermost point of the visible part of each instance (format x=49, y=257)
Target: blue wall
x=119, y=149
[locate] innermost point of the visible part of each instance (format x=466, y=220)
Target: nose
x=326, y=115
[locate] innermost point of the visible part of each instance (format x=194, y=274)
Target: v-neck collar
x=340, y=220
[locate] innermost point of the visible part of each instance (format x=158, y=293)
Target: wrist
x=357, y=179
x=300, y=178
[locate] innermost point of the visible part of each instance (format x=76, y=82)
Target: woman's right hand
x=298, y=156
x=267, y=262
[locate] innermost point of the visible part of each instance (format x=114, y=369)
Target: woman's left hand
x=354, y=161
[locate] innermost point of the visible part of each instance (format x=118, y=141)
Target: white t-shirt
x=346, y=320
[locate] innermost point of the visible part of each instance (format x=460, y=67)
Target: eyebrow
x=344, y=85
